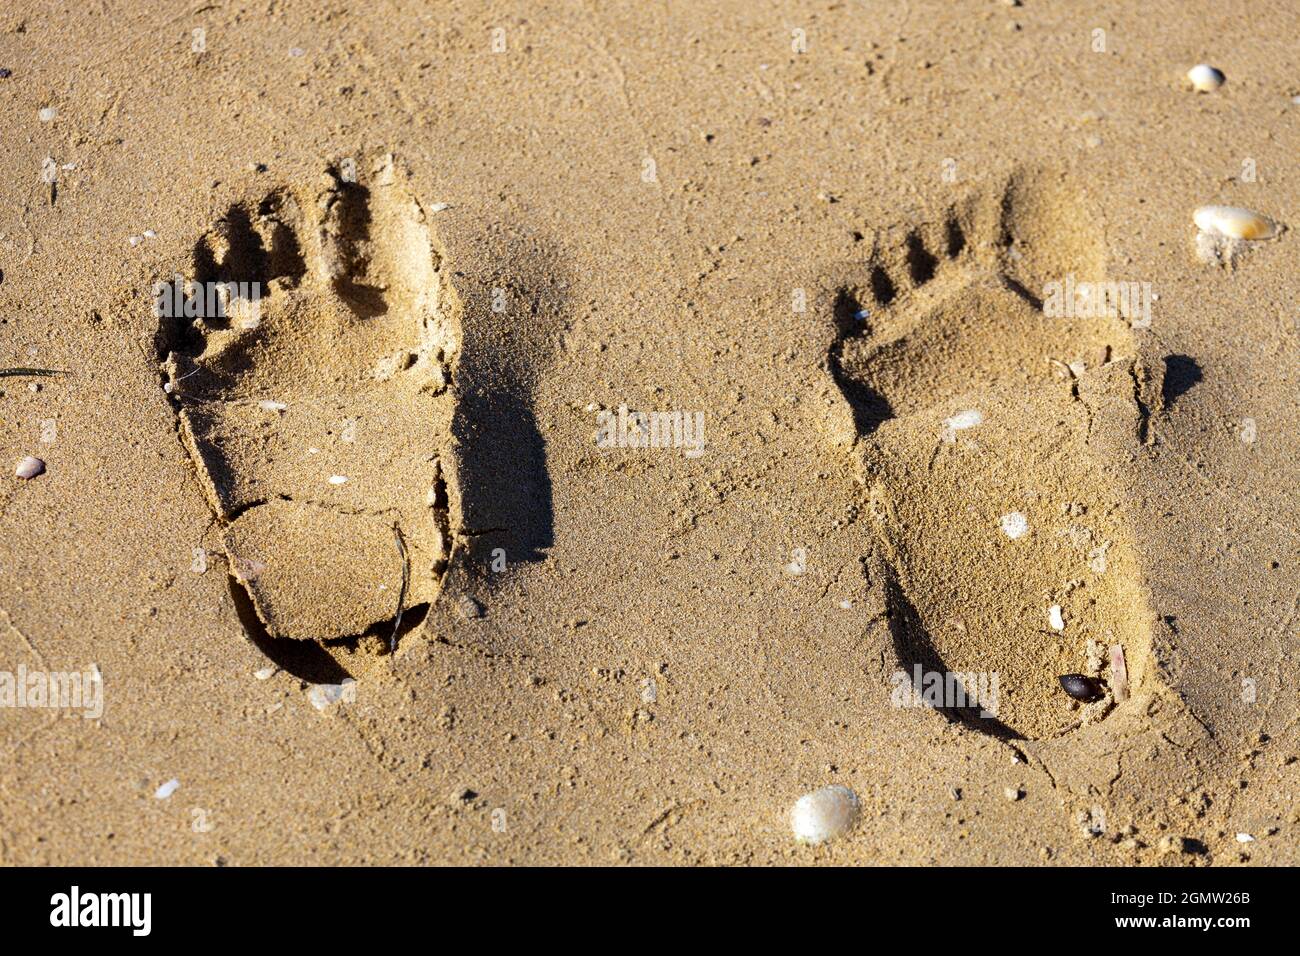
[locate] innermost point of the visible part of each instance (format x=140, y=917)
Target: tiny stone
x=1014, y=525
x=1172, y=844
x=47, y=114
x=167, y=789
x=29, y=467
x=1013, y=793
x=469, y=608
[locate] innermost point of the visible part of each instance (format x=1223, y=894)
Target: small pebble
x=47, y=114
x=338, y=479
x=29, y=467
x=1014, y=525
x=1080, y=687
x=265, y=673
x=167, y=789
x=1013, y=793
x=267, y=405
x=824, y=814
x=469, y=608
x=5, y=73
x=1245, y=838
x=1055, y=618
x=1205, y=78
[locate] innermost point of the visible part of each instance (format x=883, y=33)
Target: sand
x=826, y=235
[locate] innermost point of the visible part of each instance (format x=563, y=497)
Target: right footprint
x=987, y=432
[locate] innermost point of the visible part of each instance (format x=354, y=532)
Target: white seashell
x=824, y=814
x=47, y=114
x=1118, y=673
x=1234, y=222
x=1205, y=78
x=1055, y=618
x=322, y=696
x=267, y=405
x=167, y=789
x=29, y=467
x=967, y=419
x=338, y=479
x=1245, y=838
x=1014, y=525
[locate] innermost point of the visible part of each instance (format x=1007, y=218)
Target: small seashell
x=29, y=467
x=1245, y=838
x=1014, y=525
x=824, y=814
x=47, y=114
x=323, y=696
x=1205, y=78
x=1080, y=687
x=1055, y=618
x=267, y=405
x=962, y=420
x=338, y=479
x=1118, y=673
x=1234, y=222
x=167, y=789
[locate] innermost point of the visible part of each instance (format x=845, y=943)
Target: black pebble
x=1080, y=687
x=5, y=73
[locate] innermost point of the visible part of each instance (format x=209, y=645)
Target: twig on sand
x=5, y=372
x=401, y=595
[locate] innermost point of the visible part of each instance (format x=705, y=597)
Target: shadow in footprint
x=914, y=648
x=510, y=328
x=305, y=660
x=1181, y=373
x=869, y=407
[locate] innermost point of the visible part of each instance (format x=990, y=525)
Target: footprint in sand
x=987, y=432
x=315, y=402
